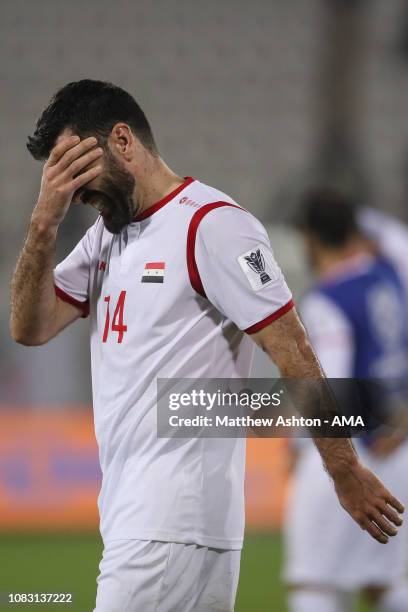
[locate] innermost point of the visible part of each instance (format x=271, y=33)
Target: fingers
x=394, y=502
x=371, y=505
x=59, y=150
x=82, y=162
x=74, y=152
x=391, y=514
x=381, y=496
x=377, y=525
x=385, y=526
x=81, y=180
x=374, y=532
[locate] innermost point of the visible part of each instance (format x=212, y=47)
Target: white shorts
x=324, y=546
x=150, y=576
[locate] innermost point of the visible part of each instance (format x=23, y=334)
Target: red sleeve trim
x=83, y=306
x=196, y=219
x=275, y=315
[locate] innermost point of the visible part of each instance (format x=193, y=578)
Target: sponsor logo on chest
x=154, y=272
x=189, y=202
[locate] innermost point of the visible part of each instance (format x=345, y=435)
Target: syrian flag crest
x=154, y=272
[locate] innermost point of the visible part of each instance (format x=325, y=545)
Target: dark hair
x=89, y=108
x=328, y=215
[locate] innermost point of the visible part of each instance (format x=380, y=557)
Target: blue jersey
x=374, y=302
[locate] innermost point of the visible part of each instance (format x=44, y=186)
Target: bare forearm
x=288, y=346
x=36, y=314
x=33, y=300
x=314, y=395
x=359, y=491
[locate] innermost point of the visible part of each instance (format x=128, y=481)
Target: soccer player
x=357, y=319
x=179, y=281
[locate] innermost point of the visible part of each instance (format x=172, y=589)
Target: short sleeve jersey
x=176, y=294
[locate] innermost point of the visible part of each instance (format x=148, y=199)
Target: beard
x=114, y=196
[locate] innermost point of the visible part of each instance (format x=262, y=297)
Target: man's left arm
x=359, y=491
x=241, y=278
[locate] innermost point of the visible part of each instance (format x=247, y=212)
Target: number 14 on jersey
x=117, y=320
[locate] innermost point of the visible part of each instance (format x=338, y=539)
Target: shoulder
x=221, y=218
x=206, y=193
x=390, y=234
x=381, y=225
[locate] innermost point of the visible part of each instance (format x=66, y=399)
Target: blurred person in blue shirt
x=356, y=315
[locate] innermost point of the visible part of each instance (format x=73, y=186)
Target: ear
x=122, y=141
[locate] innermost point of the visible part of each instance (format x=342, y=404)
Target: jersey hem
x=272, y=317
x=83, y=306
x=168, y=536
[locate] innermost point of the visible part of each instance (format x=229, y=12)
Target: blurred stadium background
x=259, y=99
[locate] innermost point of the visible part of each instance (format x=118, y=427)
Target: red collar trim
x=155, y=207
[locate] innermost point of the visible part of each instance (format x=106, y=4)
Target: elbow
x=24, y=338
x=27, y=340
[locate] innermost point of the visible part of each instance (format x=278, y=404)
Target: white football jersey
x=172, y=295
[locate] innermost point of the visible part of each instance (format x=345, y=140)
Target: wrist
x=338, y=455
x=43, y=227
x=344, y=467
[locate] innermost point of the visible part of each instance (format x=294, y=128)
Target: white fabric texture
x=146, y=576
x=330, y=333
x=324, y=545
x=395, y=599
x=313, y=600
x=72, y=275
x=225, y=237
x=391, y=236
x=175, y=490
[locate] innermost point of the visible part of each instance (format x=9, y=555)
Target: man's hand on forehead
x=73, y=153
x=76, y=198
x=72, y=164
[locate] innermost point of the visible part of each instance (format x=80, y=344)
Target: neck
x=154, y=181
x=330, y=259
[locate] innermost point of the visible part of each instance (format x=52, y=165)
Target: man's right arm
x=37, y=314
